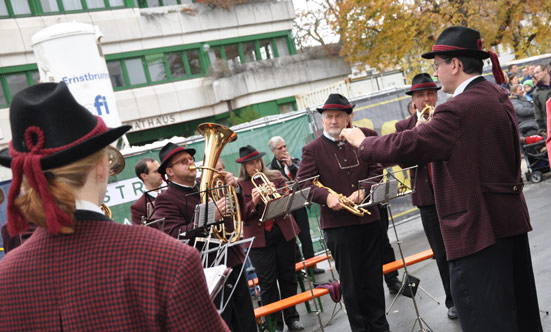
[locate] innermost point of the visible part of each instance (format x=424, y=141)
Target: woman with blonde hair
x=80, y=271
x=273, y=250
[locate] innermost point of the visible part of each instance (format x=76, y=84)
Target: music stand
x=284, y=205
x=383, y=189
x=215, y=257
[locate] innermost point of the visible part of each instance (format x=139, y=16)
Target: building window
x=266, y=49
x=176, y=64
x=14, y=8
x=194, y=62
x=14, y=82
x=115, y=71
x=232, y=55
x=136, y=73
x=160, y=3
x=282, y=46
x=249, y=51
x=156, y=66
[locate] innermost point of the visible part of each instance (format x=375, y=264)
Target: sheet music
x=215, y=277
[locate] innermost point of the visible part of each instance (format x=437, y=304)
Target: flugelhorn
x=347, y=204
x=426, y=113
x=267, y=190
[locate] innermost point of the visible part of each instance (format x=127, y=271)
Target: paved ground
x=402, y=315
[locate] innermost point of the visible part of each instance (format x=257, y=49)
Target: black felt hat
x=47, y=119
x=336, y=102
x=248, y=153
x=456, y=41
x=49, y=129
x=168, y=151
x=463, y=41
x=422, y=82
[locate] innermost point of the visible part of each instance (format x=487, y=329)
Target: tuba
x=346, y=203
x=267, y=191
x=216, y=137
x=116, y=162
x=426, y=113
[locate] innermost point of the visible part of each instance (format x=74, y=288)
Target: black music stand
x=385, y=188
x=284, y=205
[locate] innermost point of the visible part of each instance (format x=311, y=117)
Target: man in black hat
x=147, y=170
x=177, y=206
x=355, y=241
x=79, y=270
x=472, y=143
x=288, y=167
x=424, y=92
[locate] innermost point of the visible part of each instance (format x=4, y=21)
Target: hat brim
x=479, y=54
x=347, y=110
x=410, y=92
x=260, y=155
x=164, y=164
x=74, y=152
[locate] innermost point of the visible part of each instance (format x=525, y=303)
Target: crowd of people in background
x=529, y=90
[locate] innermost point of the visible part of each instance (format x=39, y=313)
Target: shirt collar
x=463, y=85
x=183, y=185
x=87, y=205
x=326, y=134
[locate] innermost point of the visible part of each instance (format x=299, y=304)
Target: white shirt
x=326, y=134
x=463, y=85
x=87, y=205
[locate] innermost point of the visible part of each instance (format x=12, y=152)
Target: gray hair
x=273, y=141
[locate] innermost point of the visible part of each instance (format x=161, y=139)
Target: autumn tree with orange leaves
x=390, y=34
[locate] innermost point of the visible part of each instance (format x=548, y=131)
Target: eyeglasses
x=183, y=161
x=436, y=64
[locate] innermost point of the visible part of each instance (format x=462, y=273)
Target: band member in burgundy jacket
x=147, y=170
x=273, y=251
x=472, y=143
x=80, y=271
x=424, y=92
x=177, y=205
x=355, y=242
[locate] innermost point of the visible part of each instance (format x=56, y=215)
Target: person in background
x=541, y=95
x=528, y=89
x=525, y=75
x=355, y=241
x=288, y=167
x=177, y=206
x=513, y=69
x=424, y=92
x=147, y=170
x=483, y=214
x=79, y=270
x=273, y=251
x=524, y=110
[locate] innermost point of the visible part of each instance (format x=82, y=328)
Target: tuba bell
x=116, y=162
x=216, y=137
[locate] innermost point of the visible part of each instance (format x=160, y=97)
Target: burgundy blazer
x=105, y=277
x=177, y=206
x=340, y=168
x=423, y=195
x=138, y=209
x=251, y=215
x=473, y=144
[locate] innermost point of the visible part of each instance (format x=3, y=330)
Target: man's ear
x=142, y=177
x=169, y=171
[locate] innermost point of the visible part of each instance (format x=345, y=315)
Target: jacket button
x=515, y=188
x=353, y=185
x=345, y=160
x=361, y=148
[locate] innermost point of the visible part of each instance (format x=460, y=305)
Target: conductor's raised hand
x=354, y=136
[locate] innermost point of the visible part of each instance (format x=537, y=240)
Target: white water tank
x=71, y=52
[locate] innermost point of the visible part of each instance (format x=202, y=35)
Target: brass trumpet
x=267, y=191
x=426, y=113
x=349, y=205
